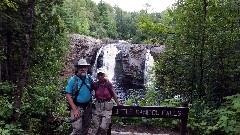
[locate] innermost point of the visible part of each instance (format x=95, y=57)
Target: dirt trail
x=141, y=130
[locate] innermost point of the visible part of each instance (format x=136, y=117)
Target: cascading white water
x=94, y=68
x=149, y=63
x=109, y=54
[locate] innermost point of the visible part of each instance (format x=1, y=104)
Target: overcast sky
x=136, y=5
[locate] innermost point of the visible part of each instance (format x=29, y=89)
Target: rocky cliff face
x=80, y=47
x=129, y=61
x=132, y=59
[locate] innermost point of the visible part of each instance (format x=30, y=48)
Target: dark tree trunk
x=202, y=90
x=0, y=71
x=9, y=56
x=24, y=67
x=193, y=89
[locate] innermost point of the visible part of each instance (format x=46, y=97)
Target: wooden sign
x=154, y=112
x=150, y=111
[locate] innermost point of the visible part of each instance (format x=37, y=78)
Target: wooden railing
x=153, y=112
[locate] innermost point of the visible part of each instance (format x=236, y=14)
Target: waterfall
x=94, y=68
x=108, y=61
x=149, y=63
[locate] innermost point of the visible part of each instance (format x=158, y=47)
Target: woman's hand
x=119, y=105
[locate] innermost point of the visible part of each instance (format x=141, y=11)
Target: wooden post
x=183, y=128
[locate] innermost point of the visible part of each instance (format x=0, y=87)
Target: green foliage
x=201, y=115
x=6, y=110
x=8, y=3
x=194, y=63
x=6, y=99
x=204, y=119
x=200, y=62
x=106, y=20
x=42, y=94
x=9, y=129
x=155, y=31
x=229, y=116
x=75, y=17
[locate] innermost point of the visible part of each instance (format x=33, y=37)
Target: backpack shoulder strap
x=83, y=82
x=75, y=87
x=107, y=86
x=90, y=80
x=76, y=90
x=75, y=83
x=97, y=85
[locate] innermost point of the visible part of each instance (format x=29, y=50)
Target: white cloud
x=136, y=5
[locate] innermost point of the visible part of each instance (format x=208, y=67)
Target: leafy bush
x=9, y=129
x=204, y=119
x=201, y=115
x=229, y=116
x=6, y=110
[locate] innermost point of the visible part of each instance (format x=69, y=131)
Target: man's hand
x=76, y=113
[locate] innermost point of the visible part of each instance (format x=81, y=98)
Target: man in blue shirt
x=78, y=94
